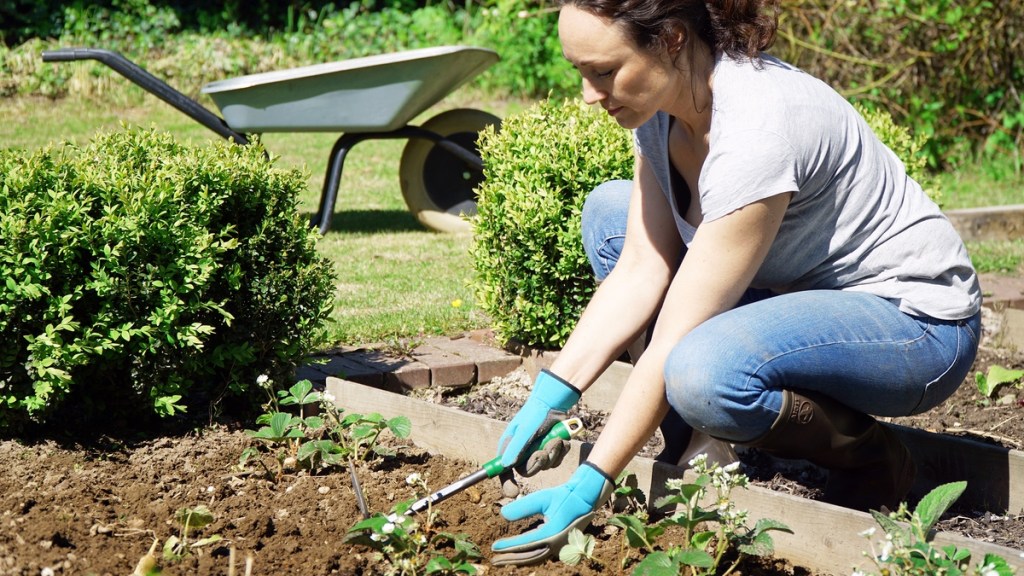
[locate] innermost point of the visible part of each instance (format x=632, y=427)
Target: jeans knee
x=603, y=224
x=690, y=387
x=714, y=393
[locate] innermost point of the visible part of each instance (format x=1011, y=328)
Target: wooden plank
x=826, y=538
x=994, y=475
x=1011, y=333
x=988, y=222
x=435, y=428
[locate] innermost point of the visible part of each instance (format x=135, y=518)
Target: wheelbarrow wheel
x=439, y=188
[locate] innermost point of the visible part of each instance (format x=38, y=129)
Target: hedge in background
x=146, y=274
x=949, y=69
x=532, y=276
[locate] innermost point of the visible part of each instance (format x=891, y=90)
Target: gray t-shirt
x=856, y=220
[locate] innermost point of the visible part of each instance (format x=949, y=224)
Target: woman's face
x=627, y=81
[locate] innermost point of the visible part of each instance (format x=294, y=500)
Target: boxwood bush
x=531, y=274
x=143, y=274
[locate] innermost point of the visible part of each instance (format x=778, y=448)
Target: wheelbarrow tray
x=371, y=94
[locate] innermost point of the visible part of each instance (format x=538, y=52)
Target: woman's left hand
x=564, y=507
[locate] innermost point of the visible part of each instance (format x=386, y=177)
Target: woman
x=817, y=284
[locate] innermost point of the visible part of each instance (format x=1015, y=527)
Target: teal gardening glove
x=564, y=507
x=548, y=403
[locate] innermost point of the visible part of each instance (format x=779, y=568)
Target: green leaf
x=760, y=545
x=889, y=526
x=579, y=547
x=695, y=557
x=437, y=564
x=280, y=428
x=400, y=426
x=998, y=564
x=935, y=503
x=373, y=524
x=171, y=546
x=701, y=539
x=766, y=524
x=657, y=564
x=194, y=518
x=997, y=376
x=168, y=405
x=300, y=392
x=956, y=554
x=638, y=534
x=206, y=541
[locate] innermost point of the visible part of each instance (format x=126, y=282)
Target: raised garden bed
x=826, y=538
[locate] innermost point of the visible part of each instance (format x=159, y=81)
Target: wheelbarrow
x=361, y=98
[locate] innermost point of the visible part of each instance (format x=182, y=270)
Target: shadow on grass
x=373, y=221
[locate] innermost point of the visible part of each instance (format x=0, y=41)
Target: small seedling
x=708, y=531
x=580, y=547
x=318, y=442
x=628, y=498
x=409, y=547
x=907, y=548
x=996, y=377
x=189, y=519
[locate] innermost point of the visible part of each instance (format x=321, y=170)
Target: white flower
x=413, y=479
x=989, y=570
x=886, y=550
x=858, y=572
x=46, y=571
x=730, y=468
x=674, y=483
x=262, y=379
x=376, y=537
x=328, y=397
x=866, y=534
x=387, y=528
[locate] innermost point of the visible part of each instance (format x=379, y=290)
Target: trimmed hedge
x=147, y=274
x=532, y=275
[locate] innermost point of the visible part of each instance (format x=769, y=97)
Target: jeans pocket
x=965, y=336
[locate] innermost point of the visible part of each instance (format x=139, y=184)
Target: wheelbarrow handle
x=149, y=83
x=64, y=55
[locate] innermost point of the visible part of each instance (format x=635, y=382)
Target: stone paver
x=437, y=361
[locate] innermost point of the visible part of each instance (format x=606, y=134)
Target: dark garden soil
x=76, y=507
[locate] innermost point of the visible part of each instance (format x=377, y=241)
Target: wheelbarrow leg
x=332, y=179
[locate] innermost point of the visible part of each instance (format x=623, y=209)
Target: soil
x=96, y=507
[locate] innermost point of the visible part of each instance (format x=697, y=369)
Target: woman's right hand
x=549, y=401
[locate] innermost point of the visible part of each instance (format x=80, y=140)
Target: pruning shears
x=564, y=430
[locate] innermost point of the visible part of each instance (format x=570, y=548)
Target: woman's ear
x=675, y=40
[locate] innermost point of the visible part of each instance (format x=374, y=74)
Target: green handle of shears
x=564, y=429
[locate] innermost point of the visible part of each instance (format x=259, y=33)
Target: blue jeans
x=726, y=377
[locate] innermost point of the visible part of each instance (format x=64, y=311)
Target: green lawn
x=396, y=280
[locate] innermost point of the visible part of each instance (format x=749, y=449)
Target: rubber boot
x=869, y=468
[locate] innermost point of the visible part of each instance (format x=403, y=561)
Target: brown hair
x=736, y=27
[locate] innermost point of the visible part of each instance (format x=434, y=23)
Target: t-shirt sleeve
x=744, y=168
